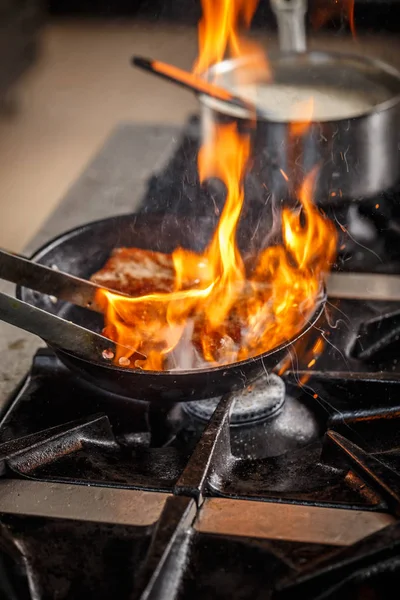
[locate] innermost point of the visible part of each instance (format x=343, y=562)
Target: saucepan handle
x=290, y=16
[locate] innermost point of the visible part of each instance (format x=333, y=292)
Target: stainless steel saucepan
x=352, y=101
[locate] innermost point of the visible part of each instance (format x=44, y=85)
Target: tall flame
x=219, y=31
x=155, y=324
x=221, y=310
x=220, y=37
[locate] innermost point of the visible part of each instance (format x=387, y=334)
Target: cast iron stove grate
x=177, y=507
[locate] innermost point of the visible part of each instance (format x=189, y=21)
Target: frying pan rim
x=375, y=62
x=56, y=241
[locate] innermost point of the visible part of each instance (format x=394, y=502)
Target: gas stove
x=291, y=487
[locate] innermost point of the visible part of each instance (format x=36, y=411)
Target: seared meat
x=136, y=272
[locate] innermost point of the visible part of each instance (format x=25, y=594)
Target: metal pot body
x=355, y=157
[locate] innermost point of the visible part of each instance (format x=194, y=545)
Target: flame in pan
x=220, y=310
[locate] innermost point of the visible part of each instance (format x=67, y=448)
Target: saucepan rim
x=228, y=65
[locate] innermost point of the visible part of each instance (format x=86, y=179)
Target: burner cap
x=259, y=401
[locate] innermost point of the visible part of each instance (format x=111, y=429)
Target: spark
x=285, y=177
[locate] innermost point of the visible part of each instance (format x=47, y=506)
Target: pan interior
x=84, y=250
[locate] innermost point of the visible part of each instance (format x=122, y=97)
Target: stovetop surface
x=101, y=495
x=331, y=454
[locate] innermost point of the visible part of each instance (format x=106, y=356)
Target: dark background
x=373, y=15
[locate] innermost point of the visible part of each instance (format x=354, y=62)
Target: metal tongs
x=92, y=346
x=53, y=329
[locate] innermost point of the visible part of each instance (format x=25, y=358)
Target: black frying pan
x=85, y=249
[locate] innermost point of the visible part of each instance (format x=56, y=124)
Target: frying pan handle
x=290, y=16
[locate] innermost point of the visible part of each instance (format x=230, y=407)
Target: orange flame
x=224, y=314
x=218, y=30
x=220, y=310
x=157, y=322
x=301, y=117
x=219, y=37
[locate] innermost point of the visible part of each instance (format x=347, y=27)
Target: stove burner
x=258, y=402
x=264, y=420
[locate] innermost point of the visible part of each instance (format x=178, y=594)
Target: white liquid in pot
x=290, y=103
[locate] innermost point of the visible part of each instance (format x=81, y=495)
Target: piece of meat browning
x=136, y=272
